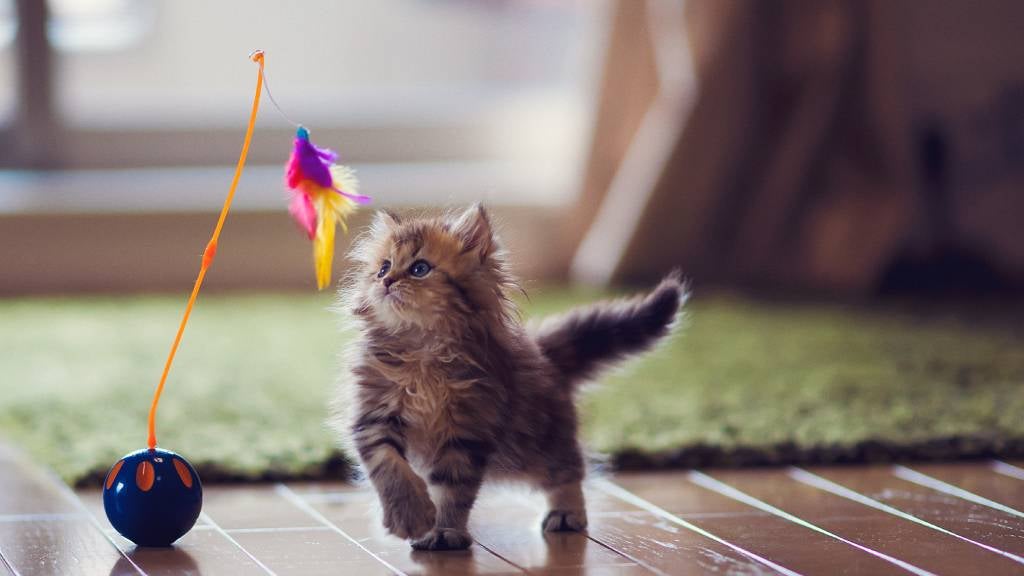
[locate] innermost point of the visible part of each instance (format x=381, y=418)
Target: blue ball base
x=152, y=497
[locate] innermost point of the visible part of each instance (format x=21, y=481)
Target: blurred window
x=140, y=83
x=83, y=26
x=182, y=62
x=8, y=29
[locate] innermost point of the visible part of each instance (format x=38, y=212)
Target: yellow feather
x=323, y=243
x=345, y=179
x=332, y=209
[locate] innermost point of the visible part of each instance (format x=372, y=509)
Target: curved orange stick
x=211, y=250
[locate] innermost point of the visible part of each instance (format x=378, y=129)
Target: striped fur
x=445, y=387
x=585, y=340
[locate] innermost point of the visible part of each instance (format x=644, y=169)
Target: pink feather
x=301, y=208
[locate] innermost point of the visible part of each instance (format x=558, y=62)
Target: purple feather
x=315, y=163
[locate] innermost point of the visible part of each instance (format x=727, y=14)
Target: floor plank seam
x=112, y=532
x=1007, y=469
x=237, y=544
x=296, y=500
x=7, y=564
x=282, y=529
x=628, y=556
x=335, y=497
x=75, y=501
x=827, y=485
x=499, y=556
x=55, y=517
x=627, y=496
x=921, y=479
x=703, y=480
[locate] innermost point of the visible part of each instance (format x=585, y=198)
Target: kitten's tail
x=583, y=341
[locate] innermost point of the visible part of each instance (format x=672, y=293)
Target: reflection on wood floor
x=921, y=519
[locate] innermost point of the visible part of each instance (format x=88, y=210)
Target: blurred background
x=852, y=168
x=128, y=116
x=839, y=148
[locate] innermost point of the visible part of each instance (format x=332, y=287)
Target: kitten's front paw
x=410, y=516
x=444, y=539
x=565, y=521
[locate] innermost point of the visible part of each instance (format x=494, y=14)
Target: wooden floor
x=921, y=519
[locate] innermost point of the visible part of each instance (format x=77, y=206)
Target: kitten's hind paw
x=565, y=521
x=444, y=539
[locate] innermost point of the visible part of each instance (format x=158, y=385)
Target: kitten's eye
x=384, y=268
x=419, y=269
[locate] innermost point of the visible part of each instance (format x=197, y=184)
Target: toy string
x=211, y=249
x=270, y=95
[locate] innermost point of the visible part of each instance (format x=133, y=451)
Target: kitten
x=445, y=387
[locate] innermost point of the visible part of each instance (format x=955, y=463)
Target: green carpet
x=744, y=383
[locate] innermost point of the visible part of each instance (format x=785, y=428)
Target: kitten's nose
x=388, y=282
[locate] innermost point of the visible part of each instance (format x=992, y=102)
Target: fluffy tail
x=588, y=339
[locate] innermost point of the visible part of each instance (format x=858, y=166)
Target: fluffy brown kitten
x=445, y=387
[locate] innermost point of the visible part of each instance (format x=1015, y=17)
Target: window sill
x=161, y=190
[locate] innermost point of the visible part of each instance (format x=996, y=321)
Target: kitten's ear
x=386, y=220
x=473, y=227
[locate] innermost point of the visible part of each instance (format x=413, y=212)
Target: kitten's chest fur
x=428, y=382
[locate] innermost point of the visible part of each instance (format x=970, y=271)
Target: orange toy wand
x=154, y=496
x=211, y=249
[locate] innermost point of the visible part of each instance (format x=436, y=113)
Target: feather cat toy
x=323, y=195
x=153, y=496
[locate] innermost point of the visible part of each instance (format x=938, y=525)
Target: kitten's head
x=429, y=273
